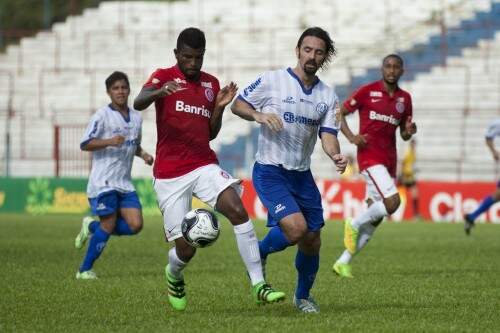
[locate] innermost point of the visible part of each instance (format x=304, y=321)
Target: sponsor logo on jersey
x=352, y=102
x=321, y=107
x=206, y=84
x=279, y=208
x=155, y=81
x=401, y=99
x=94, y=129
x=101, y=206
x=385, y=118
x=117, y=130
x=288, y=100
x=375, y=100
x=306, y=101
x=133, y=142
x=183, y=107
x=400, y=107
x=209, y=94
x=375, y=94
x=289, y=117
x=179, y=80
x=252, y=86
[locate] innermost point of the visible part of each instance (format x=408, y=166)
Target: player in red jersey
x=189, y=106
x=382, y=107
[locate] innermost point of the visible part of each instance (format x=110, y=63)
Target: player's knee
x=296, y=232
x=236, y=214
x=136, y=226
x=392, y=203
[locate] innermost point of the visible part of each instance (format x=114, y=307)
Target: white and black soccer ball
x=200, y=227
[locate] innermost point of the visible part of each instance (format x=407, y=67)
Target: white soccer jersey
x=493, y=130
x=302, y=111
x=111, y=166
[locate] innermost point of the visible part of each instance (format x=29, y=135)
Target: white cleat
x=87, y=275
x=308, y=305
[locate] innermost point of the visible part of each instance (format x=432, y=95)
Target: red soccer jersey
x=379, y=116
x=183, y=123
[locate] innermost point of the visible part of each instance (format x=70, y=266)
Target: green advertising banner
x=38, y=196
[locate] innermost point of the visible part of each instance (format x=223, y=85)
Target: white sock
x=345, y=258
x=375, y=212
x=175, y=264
x=365, y=233
x=249, y=250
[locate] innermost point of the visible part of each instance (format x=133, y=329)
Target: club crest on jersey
x=321, y=108
x=400, y=107
x=209, y=94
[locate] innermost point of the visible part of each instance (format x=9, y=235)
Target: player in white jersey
x=114, y=138
x=294, y=107
x=491, y=133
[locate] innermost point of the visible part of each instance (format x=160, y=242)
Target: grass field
x=411, y=277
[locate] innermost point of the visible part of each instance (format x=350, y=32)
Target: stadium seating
x=58, y=74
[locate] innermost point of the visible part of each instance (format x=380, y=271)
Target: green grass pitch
x=411, y=277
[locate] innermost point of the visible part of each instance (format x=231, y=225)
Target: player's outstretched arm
x=148, y=158
x=331, y=146
x=224, y=97
x=149, y=94
x=245, y=111
x=97, y=144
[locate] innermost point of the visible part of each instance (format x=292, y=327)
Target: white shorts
x=175, y=195
x=379, y=183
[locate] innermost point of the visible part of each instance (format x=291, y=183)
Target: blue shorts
x=284, y=192
x=107, y=203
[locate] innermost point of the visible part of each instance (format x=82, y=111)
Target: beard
x=311, y=67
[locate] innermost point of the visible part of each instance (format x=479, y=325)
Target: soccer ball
x=200, y=227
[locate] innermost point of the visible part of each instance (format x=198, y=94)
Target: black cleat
x=468, y=224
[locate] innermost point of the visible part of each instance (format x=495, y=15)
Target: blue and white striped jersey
x=493, y=130
x=304, y=113
x=111, y=166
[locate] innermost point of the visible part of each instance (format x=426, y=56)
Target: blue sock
x=307, y=266
x=96, y=246
x=122, y=228
x=93, y=226
x=274, y=241
x=485, y=204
